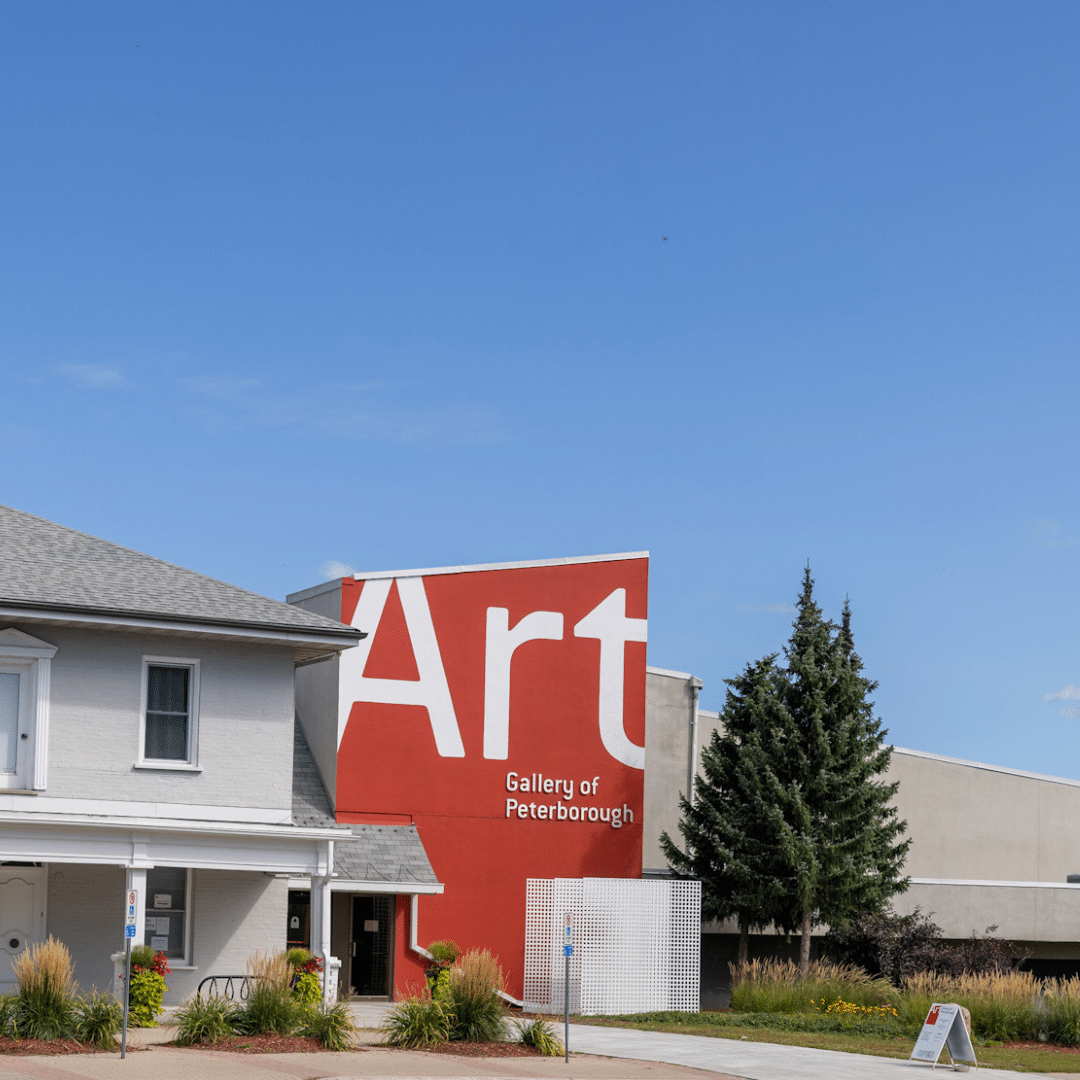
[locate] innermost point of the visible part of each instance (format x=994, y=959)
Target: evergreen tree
x=791, y=823
x=735, y=837
x=837, y=805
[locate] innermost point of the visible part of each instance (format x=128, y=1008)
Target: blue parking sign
x=129, y=931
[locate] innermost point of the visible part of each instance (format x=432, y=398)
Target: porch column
x=136, y=879
x=320, y=934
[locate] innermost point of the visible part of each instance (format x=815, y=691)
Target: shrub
x=417, y=1021
x=898, y=946
x=443, y=955
x=45, y=1007
x=143, y=956
x=444, y=952
x=540, y=1035
x=205, y=1020
x=775, y=986
x=270, y=1008
x=476, y=1010
x=1061, y=1006
x=8, y=1009
x=147, y=988
x=332, y=1025
x=98, y=1019
x=307, y=989
x=270, y=1005
x=298, y=959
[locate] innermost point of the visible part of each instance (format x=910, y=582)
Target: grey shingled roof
x=45, y=565
x=382, y=852
x=310, y=804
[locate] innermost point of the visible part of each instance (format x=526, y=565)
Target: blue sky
x=388, y=285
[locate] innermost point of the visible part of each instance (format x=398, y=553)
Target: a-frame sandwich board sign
x=944, y=1028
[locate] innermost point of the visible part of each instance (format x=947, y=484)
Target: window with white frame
x=168, y=912
x=25, y=664
x=170, y=724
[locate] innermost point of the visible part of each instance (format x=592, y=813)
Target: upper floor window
x=25, y=665
x=169, y=735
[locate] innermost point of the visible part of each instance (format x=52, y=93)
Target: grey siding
x=245, y=721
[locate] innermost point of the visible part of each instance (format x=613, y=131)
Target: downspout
x=691, y=757
x=414, y=913
x=414, y=945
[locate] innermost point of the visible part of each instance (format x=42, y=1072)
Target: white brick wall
x=84, y=910
x=233, y=914
x=245, y=721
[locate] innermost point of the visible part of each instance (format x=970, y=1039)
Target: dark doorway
x=298, y=934
x=371, y=945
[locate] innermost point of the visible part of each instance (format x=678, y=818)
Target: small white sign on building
x=943, y=1028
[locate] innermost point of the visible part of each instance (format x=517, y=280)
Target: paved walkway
x=597, y=1053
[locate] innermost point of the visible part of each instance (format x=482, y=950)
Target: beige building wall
x=670, y=701
x=991, y=846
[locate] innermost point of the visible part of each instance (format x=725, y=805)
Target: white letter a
x=431, y=690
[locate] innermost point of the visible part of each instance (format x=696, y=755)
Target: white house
x=146, y=742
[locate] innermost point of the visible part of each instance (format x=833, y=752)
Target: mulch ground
x=483, y=1049
x=1053, y=1047
x=21, y=1047
x=262, y=1044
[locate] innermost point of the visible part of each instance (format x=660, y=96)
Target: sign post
x=568, y=951
x=945, y=1027
x=131, y=906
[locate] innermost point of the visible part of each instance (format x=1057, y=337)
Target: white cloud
x=334, y=569
x=1064, y=694
x=1048, y=534
x=1072, y=710
x=94, y=377
x=369, y=411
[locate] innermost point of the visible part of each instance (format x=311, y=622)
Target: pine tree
x=837, y=805
x=736, y=839
x=790, y=823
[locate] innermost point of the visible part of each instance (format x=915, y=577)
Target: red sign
x=503, y=710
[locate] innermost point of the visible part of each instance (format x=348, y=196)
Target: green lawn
x=1020, y=1059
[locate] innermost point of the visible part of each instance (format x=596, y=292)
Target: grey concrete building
x=991, y=846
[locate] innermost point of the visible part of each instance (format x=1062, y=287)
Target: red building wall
x=470, y=683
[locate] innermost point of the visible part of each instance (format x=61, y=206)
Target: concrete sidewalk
x=596, y=1053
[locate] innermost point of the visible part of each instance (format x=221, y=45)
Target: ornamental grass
x=46, y=1004
x=1004, y=1005
x=477, y=1011
x=776, y=986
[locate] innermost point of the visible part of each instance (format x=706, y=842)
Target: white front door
x=22, y=916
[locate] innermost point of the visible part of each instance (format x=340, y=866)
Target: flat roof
x=430, y=571
x=988, y=768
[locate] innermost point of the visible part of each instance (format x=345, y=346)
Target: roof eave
x=298, y=637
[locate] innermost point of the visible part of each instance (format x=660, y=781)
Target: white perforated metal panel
x=637, y=945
